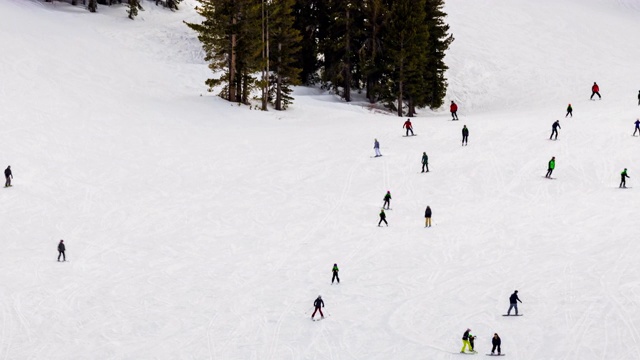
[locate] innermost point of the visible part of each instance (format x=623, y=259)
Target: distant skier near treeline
x=335, y=273
x=513, y=302
x=552, y=165
x=623, y=176
x=408, y=126
x=427, y=217
x=595, y=90
x=637, y=127
x=465, y=341
x=8, y=176
x=387, y=200
x=496, y=342
x=61, y=250
x=425, y=161
x=454, y=110
x=376, y=147
x=383, y=217
x=569, y=111
x=554, y=129
x=318, y=304
x=465, y=135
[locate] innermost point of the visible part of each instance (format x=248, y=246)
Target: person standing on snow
x=595, y=90
x=425, y=161
x=454, y=111
x=624, y=176
x=637, y=127
x=387, y=200
x=427, y=217
x=465, y=135
x=552, y=165
x=513, y=302
x=472, y=339
x=554, y=129
x=376, y=147
x=8, y=176
x=335, y=273
x=638, y=98
x=465, y=341
x=408, y=126
x=61, y=250
x=383, y=217
x=569, y=111
x=318, y=304
x=496, y=342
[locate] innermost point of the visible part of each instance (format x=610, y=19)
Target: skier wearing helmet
x=318, y=304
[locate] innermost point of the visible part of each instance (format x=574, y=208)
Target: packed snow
x=200, y=229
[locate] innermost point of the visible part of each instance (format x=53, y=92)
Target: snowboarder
x=465, y=341
x=335, y=273
x=61, y=250
x=454, y=111
x=637, y=127
x=513, y=302
x=552, y=165
x=624, y=176
x=387, y=200
x=8, y=176
x=383, y=217
x=408, y=126
x=465, y=135
x=427, y=217
x=554, y=129
x=569, y=111
x=595, y=90
x=472, y=338
x=318, y=304
x=376, y=147
x=495, y=341
x=425, y=162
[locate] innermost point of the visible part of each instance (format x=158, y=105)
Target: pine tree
x=306, y=13
x=371, y=53
x=284, y=40
x=439, y=41
x=134, y=5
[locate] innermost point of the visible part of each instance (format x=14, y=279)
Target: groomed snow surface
x=199, y=229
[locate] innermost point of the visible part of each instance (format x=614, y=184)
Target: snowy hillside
x=198, y=229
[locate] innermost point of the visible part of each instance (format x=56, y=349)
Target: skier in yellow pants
x=465, y=342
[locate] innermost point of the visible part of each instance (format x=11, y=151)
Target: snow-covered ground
x=198, y=229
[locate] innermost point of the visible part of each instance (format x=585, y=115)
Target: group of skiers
x=318, y=303
x=386, y=205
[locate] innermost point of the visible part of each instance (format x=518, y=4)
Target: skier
x=495, y=341
x=387, y=200
x=638, y=98
x=408, y=126
x=318, y=304
x=61, y=250
x=335, y=273
x=425, y=161
x=383, y=217
x=465, y=341
x=595, y=90
x=8, y=176
x=552, y=165
x=624, y=176
x=569, y=111
x=454, y=111
x=513, y=302
x=465, y=135
x=637, y=127
x=427, y=217
x=472, y=338
x=376, y=147
x=554, y=129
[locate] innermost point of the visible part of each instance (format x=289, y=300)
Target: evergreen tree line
x=133, y=5
x=392, y=50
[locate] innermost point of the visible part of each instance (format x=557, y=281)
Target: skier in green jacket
x=425, y=161
x=335, y=273
x=624, y=176
x=552, y=165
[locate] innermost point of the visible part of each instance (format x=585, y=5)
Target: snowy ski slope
x=198, y=229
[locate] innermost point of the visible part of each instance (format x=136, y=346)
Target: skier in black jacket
x=513, y=302
x=61, y=250
x=8, y=176
x=383, y=217
x=318, y=304
x=554, y=129
x=425, y=161
x=495, y=341
x=465, y=135
x=427, y=217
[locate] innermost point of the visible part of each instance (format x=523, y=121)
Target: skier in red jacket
x=408, y=126
x=595, y=90
x=454, y=111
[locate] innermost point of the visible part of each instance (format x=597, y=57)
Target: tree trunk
x=411, y=111
x=232, y=63
x=265, y=81
x=347, y=67
x=279, y=80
